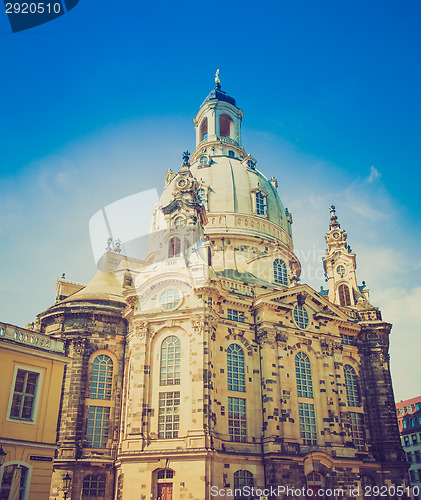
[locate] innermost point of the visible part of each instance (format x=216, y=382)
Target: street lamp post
x=67, y=481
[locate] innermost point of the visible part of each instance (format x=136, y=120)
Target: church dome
x=237, y=197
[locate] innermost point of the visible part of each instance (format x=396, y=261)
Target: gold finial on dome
x=217, y=80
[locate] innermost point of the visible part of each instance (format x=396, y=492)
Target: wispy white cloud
x=374, y=175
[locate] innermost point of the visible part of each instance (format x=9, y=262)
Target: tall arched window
x=93, y=486
x=235, y=368
x=280, y=274
x=174, y=247
x=204, y=129
x=351, y=384
x=170, y=361
x=242, y=478
x=344, y=296
x=102, y=377
x=303, y=375
x=225, y=125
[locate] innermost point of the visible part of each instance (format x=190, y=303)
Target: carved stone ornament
x=326, y=347
x=266, y=335
x=140, y=329
x=197, y=323
x=78, y=345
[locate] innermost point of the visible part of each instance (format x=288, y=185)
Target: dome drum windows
x=280, y=274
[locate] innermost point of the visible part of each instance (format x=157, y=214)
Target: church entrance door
x=165, y=491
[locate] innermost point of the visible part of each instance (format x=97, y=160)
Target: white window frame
x=254, y=201
x=28, y=476
x=37, y=397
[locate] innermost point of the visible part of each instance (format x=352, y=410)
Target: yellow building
x=205, y=369
x=32, y=367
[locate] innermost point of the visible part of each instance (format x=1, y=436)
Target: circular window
x=203, y=160
x=182, y=183
x=179, y=222
x=170, y=299
x=300, y=317
x=341, y=271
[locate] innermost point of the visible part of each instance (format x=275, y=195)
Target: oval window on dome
x=300, y=317
x=170, y=299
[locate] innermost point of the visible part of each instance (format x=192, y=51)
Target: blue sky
x=98, y=104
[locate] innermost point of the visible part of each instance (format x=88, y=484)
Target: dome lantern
x=218, y=123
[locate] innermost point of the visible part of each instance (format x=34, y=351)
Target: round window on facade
x=300, y=317
x=341, y=270
x=170, y=299
x=179, y=222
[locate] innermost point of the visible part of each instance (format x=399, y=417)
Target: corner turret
x=340, y=265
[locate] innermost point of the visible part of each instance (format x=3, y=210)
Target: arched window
x=225, y=125
x=300, y=316
x=201, y=196
x=235, y=368
x=174, y=247
x=260, y=203
x=280, y=274
x=351, y=384
x=170, y=361
x=93, y=486
x=303, y=375
x=102, y=377
x=344, y=296
x=14, y=478
x=204, y=129
x=242, y=478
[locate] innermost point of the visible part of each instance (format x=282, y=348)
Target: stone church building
x=205, y=366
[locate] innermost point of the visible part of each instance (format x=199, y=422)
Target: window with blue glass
x=260, y=203
x=235, y=368
x=280, y=274
x=303, y=376
x=351, y=385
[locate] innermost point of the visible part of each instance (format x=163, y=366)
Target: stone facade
x=226, y=371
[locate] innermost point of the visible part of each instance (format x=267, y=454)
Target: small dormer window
x=251, y=164
x=260, y=203
x=231, y=154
